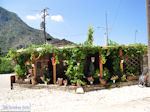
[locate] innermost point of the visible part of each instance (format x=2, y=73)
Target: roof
x=60, y=43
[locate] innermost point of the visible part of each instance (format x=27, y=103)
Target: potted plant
x=106, y=76
x=45, y=80
x=123, y=78
x=131, y=77
x=60, y=81
x=65, y=82
x=114, y=78
x=75, y=73
x=96, y=76
x=79, y=82
x=102, y=81
x=90, y=79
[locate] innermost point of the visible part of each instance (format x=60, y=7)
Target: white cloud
x=57, y=18
x=33, y=17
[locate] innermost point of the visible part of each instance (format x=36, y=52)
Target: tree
x=89, y=41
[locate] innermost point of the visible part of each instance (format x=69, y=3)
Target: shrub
x=6, y=65
x=19, y=71
x=75, y=73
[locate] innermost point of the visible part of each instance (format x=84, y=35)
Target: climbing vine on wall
x=75, y=56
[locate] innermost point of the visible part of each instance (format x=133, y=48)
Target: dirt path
x=125, y=99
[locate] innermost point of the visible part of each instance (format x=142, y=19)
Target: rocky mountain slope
x=14, y=33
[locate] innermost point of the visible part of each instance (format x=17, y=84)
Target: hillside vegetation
x=14, y=33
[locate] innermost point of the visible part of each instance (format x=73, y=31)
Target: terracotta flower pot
x=131, y=78
x=103, y=82
x=60, y=81
x=90, y=79
x=33, y=81
x=65, y=82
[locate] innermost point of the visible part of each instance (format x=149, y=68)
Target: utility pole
x=43, y=23
x=106, y=29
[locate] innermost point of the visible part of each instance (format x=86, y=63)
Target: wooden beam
x=54, y=74
x=121, y=61
x=100, y=66
x=34, y=74
x=54, y=68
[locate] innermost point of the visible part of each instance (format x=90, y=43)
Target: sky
x=70, y=19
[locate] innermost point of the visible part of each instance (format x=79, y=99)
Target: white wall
x=5, y=82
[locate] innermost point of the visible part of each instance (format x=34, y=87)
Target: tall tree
x=90, y=38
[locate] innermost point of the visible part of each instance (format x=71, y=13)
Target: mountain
x=14, y=33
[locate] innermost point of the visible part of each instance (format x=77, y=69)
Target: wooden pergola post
x=100, y=67
x=54, y=68
x=34, y=73
x=121, y=61
x=34, y=65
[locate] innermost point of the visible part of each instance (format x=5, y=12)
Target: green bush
x=19, y=71
x=75, y=73
x=6, y=65
x=75, y=58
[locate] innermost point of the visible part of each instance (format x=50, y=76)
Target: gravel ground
x=125, y=99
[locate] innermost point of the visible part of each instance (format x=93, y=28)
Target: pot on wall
x=93, y=59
